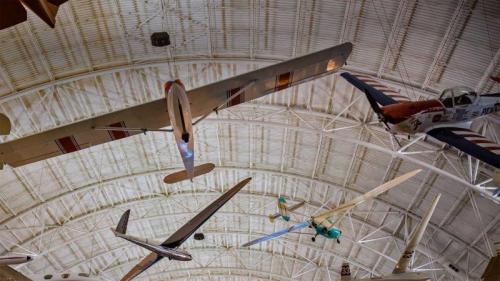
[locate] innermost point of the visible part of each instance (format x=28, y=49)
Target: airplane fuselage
x=326, y=229
x=15, y=259
x=422, y=116
x=179, y=112
x=282, y=209
x=170, y=253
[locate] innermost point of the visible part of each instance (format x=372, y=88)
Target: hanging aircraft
x=284, y=210
x=401, y=271
x=170, y=248
x=446, y=119
x=15, y=259
x=176, y=109
x=14, y=12
x=322, y=223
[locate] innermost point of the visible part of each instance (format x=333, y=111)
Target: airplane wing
x=183, y=233
x=296, y=206
x=360, y=199
x=153, y=115
x=277, y=234
x=144, y=264
x=407, y=255
x=12, y=13
x=383, y=94
x=469, y=142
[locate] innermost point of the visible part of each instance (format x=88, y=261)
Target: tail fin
x=345, y=272
x=122, y=224
x=4, y=125
x=183, y=175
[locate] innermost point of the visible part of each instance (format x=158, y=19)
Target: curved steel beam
x=260, y=171
x=444, y=263
x=220, y=250
x=177, y=61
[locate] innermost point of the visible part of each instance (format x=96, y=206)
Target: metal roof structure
x=317, y=142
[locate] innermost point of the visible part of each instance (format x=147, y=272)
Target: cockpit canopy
x=458, y=96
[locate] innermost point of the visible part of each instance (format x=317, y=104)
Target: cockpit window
x=458, y=96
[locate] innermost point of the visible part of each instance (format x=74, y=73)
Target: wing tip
x=5, y=125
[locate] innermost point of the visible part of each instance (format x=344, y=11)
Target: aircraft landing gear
x=314, y=237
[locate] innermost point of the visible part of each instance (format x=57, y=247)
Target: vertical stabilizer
x=345, y=272
x=407, y=255
x=122, y=224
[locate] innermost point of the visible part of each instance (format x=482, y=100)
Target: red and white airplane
x=177, y=110
x=446, y=119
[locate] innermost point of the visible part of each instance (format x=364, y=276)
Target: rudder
x=122, y=224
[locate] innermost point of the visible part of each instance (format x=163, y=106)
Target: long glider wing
x=153, y=115
x=277, y=234
x=183, y=233
x=144, y=264
x=469, y=142
x=407, y=255
x=370, y=194
x=382, y=94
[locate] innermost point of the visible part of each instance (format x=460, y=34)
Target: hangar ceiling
x=317, y=142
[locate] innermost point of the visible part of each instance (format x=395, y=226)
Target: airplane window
x=448, y=102
x=462, y=100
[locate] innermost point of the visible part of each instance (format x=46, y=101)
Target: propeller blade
x=277, y=234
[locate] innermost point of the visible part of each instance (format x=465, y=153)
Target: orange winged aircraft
x=446, y=119
x=177, y=110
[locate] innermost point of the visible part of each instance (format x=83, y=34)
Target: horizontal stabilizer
x=183, y=175
x=4, y=125
x=122, y=224
x=274, y=216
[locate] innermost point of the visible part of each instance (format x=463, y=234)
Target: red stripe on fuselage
x=399, y=112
